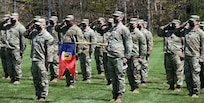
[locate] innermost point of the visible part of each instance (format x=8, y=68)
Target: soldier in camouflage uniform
x=54, y=66
x=137, y=56
x=85, y=56
x=201, y=24
x=5, y=25
x=194, y=53
x=173, y=55
x=149, y=42
x=98, y=53
x=74, y=34
x=16, y=48
x=41, y=56
x=119, y=50
x=106, y=36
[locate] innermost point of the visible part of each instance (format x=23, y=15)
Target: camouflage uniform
x=17, y=45
x=74, y=34
x=98, y=53
x=149, y=42
x=105, y=57
x=4, y=45
x=137, y=57
x=119, y=48
x=202, y=64
x=41, y=55
x=173, y=57
x=194, y=52
x=54, y=66
x=85, y=56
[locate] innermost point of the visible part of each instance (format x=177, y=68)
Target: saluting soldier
x=17, y=44
x=5, y=25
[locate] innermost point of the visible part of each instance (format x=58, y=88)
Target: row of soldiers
x=183, y=54
x=127, y=50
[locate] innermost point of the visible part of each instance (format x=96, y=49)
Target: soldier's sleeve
x=127, y=42
x=149, y=42
x=80, y=38
x=202, y=44
x=22, y=31
x=142, y=45
x=93, y=39
x=50, y=49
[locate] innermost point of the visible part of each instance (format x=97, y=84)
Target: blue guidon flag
x=67, y=58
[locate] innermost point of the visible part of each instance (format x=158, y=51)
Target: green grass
x=155, y=90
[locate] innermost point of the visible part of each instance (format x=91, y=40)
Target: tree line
x=156, y=12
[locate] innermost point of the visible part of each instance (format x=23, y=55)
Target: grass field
x=155, y=91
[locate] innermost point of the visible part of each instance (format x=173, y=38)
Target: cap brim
x=37, y=23
x=132, y=22
x=191, y=19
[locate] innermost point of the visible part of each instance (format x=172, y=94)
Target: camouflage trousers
x=105, y=63
x=192, y=74
x=4, y=61
x=40, y=78
x=69, y=79
x=98, y=54
x=133, y=72
x=174, y=69
x=14, y=64
x=85, y=63
x=117, y=72
x=54, y=68
x=202, y=75
x=144, y=71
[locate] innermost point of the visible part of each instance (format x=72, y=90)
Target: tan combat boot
x=119, y=99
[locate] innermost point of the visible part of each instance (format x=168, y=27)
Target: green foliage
x=155, y=90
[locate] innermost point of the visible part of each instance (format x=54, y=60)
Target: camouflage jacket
x=42, y=46
x=106, y=37
x=173, y=44
x=139, y=44
x=89, y=36
x=194, y=43
x=120, y=42
x=74, y=34
x=15, y=36
x=149, y=40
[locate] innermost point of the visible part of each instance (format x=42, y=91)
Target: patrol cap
x=140, y=21
x=36, y=17
x=40, y=21
x=86, y=21
x=6, y=16
x=194, y=18
x=176, y=21
x=54, y=18
x=69, y=17
x=133, y=20
x=13, y=15
x=110, y=20
x=145, y=22
x=101, y=19
x=118, y=13
x=201, y=23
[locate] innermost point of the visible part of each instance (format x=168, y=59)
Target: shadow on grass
x=22, y=98
x=97, y=99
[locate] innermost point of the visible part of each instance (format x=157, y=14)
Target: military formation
x=118, y=50
x=183, y=54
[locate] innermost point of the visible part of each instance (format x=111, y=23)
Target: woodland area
x=156, y=12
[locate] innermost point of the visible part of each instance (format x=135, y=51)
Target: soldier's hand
x=140, y=60
x=124, y=60
x=200, y=60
